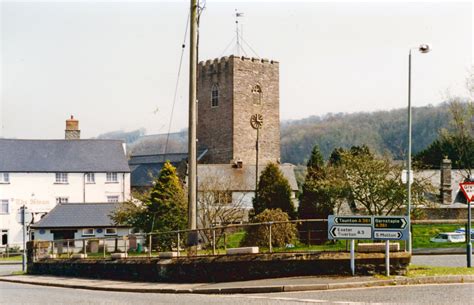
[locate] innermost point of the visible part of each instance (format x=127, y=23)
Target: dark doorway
x=4, y=237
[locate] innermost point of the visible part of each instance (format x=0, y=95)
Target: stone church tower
x=230, y=90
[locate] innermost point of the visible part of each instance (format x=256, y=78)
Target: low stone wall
x=221, y=268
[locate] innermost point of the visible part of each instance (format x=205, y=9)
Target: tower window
x=257, y=95
x=215, y=96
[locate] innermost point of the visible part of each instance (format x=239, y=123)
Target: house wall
x=76, y=246
x=38, y=192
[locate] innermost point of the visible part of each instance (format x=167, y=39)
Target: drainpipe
x=84, y=188
x=123, y=186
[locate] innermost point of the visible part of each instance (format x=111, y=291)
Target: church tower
x=230, y=91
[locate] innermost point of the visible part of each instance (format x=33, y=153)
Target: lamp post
x=424, y=48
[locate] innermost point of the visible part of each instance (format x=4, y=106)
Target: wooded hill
x=385, y=132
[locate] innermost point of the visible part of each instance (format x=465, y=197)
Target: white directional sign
x=368, y=227
x=388, y=235
x=351, y=232
x=349, y=227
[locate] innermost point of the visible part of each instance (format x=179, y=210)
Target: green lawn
x=415, y=270
x=10, y=258
x=422, y=234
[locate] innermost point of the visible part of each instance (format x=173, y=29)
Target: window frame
x=88, y=177
x=62, y=199
x=113, y=197
x=4, y=178
x=61, y=178
x=88, y=234
x=257, y=95
x=215, y=96
x=110, y=234
x=111, y=177
x=2, y=204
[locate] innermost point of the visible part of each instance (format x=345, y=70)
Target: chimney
x=445, y=190
x=72, y=129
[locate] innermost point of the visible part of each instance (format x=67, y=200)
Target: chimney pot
x=72, y=131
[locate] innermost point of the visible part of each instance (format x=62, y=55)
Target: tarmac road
x=452, y=294
x=453, y=260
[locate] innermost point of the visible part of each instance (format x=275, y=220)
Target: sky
x=114, y=65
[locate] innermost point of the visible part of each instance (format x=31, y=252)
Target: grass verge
x=417, y=270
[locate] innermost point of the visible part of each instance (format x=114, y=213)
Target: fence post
x=149, y=245
x=270, y=237
x=308, y=227
x=68, y=248
x=84, y=247
x=225, y=241
x=52, y=248
x=213, y=241
x=126, y=248
x=179, y=242
x=7, y=251
x=104, y=246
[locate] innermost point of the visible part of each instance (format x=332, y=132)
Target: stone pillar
x=445, y=190
x=72, y=131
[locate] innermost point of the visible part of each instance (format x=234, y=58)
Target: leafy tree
x=456, y=143
x=282, y=233
x=273, y=192
x=374, y=184
x=162, y=209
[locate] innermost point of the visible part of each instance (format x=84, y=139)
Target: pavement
x=292, y=284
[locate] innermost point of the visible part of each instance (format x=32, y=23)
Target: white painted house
x=42, y=173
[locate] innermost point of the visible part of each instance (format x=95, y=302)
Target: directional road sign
x=350, y=232
x=349, y=227
x=368, y=227
x=391, y=227
x=352, y=220
x=388, y=235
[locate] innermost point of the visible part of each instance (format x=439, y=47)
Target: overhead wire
x=183, y=46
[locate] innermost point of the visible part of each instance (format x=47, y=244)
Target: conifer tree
x=273, y=192
x=161, y=209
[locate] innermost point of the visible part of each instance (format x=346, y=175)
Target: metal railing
x=310, y=236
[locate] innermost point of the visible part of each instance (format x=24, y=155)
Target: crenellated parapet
x=226, y=59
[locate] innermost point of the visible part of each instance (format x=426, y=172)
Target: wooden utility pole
x=192, y=167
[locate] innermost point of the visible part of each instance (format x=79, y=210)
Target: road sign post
x=369, y=227
x=468, y=190
x=353, y=257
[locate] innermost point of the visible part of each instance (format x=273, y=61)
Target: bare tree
x=218, y=205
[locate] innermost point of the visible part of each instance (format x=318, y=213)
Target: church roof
x=238, y=179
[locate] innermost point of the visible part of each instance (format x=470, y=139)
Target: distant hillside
x=383, y=131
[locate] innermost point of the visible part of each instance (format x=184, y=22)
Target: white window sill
x=111, y=182
x=61, y=182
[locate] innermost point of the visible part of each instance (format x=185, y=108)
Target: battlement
x=227, y=59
